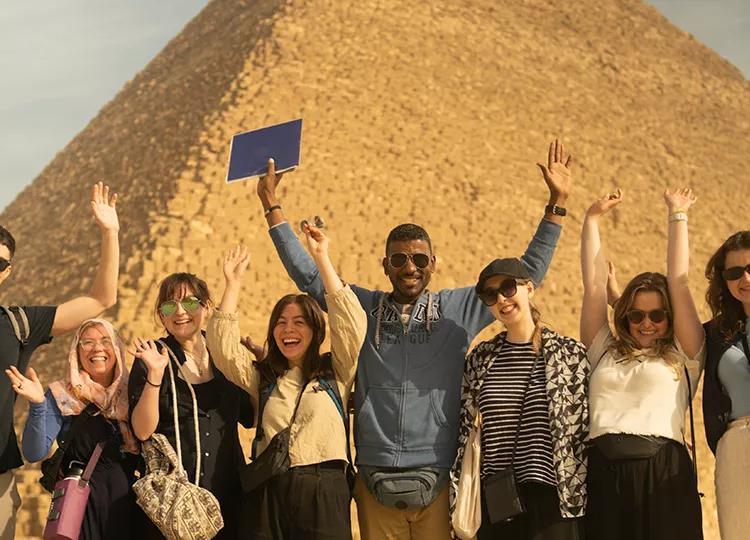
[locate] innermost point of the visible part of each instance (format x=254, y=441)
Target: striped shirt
x=500, y=400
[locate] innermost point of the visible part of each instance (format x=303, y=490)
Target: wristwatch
x=555, y=210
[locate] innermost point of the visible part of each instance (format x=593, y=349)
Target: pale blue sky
x=62, y=61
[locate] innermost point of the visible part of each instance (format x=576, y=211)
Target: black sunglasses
x=508, y=288
x=4, y=263
x=636, y=316
x=736, y=272
x=420, y=260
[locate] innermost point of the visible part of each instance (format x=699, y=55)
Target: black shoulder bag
x=51, y=466
x=501, y=489
x=275, y=458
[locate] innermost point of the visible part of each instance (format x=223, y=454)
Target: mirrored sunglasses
x=636, y=316
x=736, y=272
x=508, y=288
x=189, y=304
x=420, y=260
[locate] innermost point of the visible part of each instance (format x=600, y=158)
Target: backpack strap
x=332, y=389
x=19, y=321
x=692, y=428
x=263, y=396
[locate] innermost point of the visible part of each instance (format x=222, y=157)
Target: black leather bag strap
x=262, y=406
x=523, y=406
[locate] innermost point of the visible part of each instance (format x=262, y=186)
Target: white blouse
x=639, y=395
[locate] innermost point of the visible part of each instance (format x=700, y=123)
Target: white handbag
x=467, y=517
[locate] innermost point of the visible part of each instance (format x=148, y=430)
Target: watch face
x=556, y=210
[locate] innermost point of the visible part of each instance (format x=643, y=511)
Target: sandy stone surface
x=431, y=112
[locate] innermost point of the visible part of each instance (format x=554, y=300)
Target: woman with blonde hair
x=93, y=397
x=641, y=482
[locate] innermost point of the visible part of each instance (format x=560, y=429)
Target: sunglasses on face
x=508, y=288
x=420, y=260
x=4, y=263
x=736, y=272
x=189, y=304
x=636, y=316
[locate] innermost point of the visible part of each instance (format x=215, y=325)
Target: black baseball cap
x=502, y=267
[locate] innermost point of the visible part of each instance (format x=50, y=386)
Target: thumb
x=31, y=374
x=544, y=169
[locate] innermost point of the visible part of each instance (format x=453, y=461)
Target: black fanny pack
x=274, y=460
x=617, y=446
x=404, y=488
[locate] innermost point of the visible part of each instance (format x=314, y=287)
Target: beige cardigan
x=318, y=432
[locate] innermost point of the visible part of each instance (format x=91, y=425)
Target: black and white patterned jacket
x=566, y=370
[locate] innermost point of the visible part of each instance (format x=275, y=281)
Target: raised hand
x=613, y=287
x=317, y=242
x=27, y=387
x=267, y=185
x=606, y=203
x=556, y=173
x=257, y=350
x=236, y=262
x=103, y=207
x=679, y=199
x=155, y=360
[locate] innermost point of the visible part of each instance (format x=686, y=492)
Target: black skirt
x=540, y=521
x=654, y=498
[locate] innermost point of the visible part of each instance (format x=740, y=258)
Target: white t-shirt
x=641, y=396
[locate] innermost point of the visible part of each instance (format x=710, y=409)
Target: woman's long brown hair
x=275, y=364
x=645, y=282
x=726, y=309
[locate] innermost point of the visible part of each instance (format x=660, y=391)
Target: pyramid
x=433, y=112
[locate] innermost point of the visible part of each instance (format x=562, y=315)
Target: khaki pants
x=379, y=522
x=10, y=502
x=732, y=477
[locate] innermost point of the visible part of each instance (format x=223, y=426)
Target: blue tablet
x=249, y=151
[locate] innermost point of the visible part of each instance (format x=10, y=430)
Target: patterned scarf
x=75, y=393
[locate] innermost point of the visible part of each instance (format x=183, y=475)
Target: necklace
x=201, y=364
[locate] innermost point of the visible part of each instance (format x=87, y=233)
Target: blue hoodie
x=407, y=398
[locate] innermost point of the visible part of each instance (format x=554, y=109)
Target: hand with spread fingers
x=103, y=207
x=27, y=387
x=604, y=204
x=557, y=173
x=156, y=360
x=258, y=351
x=236, y=262
x=679, y=199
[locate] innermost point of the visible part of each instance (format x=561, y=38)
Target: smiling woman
x=641, y=482
x=93, y=397
x=301, y=396
x=211, y=456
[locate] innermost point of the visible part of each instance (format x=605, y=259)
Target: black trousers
x=541, y=521
x=654, y=498
x=310, y=502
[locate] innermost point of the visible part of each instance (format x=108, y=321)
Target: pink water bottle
x=69, y=499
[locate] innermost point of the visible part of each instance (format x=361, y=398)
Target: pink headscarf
x=75, y=393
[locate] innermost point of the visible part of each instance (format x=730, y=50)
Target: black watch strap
x=555, y=210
